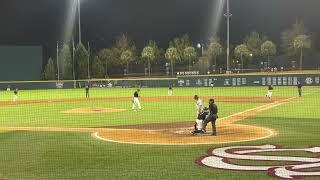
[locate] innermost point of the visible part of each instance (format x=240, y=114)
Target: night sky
x=43, y=21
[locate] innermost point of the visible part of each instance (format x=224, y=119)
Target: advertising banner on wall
x=249, y=80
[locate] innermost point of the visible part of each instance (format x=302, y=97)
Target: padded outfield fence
x=180, y=81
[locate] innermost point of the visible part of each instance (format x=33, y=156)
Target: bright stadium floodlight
x=200, y=46
x=228, y=15
x=217, y=17
x=70, y=21
x=79, y=20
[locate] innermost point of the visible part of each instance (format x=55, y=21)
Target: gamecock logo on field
x=287, y=167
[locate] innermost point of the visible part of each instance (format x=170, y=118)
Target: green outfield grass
x=69, y=155
x=149, y=92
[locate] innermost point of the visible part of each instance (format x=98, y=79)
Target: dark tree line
x=181, y=51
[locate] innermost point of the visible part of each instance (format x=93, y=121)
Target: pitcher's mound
x=93, y=110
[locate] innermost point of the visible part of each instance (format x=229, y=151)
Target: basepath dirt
x=173, y=133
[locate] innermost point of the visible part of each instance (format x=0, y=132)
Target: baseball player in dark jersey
x=212, y=117
x=87, y=91
x=135, y=101
x=299, y=86
x=269, y=92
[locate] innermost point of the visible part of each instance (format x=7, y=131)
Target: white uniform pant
x=199, y=124
x=15, y=97
x=136, y=103
x=170, y=92
x=269, y=94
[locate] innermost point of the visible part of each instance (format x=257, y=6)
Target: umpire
x=87, y=90
x=299, y=85
x=213, y=108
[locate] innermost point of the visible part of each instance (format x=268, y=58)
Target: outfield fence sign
x=249, y=80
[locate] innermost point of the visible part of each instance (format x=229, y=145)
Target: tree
x=124, y=51
x=81, y=61
x=126, y=57
x=214, y=50
x=106, y=57
x=241, y=51
x=158, y=53
x=180, y=43
x=268, y=48
x=66, y=62
x=253, y=42
x=148, y=54
x=97, y=67
x=302, y=42
x=190, y=54
x=49, y=71
x=172, y=55
x=288, y=37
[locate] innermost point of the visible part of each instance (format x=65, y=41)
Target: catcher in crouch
x=198, y=126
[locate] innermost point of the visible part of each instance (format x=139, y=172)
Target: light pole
x=200, y=45
x=79, y=21
x=241, y=62
x=88, y=60
x=58, y=61
x=73, y=69
x=228, y=15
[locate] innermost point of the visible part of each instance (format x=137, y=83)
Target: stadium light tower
x=79, y=20
x=228, y=15
x=58, y=66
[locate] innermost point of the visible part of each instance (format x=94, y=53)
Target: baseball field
x=60, y=134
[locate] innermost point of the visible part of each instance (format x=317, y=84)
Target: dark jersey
x=15, y=92
x=170, y=88
x=299, y=85
x=213, y=108
x=87, y=88
x=270, y=88
x=202, y=115
x=136, y=94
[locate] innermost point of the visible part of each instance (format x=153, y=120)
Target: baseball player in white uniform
x=170, y=91
x=15, y=95
x=135, y=101
x=199, y=105
x=269, y=92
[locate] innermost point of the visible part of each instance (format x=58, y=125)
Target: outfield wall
x=124, y=83
x=182, y=81
x=249, y=80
